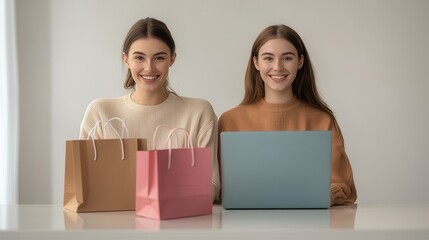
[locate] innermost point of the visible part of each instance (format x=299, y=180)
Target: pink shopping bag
x=173, y=182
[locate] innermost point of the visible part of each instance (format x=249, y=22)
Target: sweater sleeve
x=88, y=121
x=90, y=118
x=343, y=190
x=207, y=137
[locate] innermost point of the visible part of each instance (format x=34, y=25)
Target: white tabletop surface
x=359, y=221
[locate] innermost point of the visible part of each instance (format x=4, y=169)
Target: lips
x=149, y=78
x=278, y=77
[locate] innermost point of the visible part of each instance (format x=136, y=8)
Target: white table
x=381, y=221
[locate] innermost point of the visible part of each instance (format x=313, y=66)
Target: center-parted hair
x=304, y=85
x=146, y=28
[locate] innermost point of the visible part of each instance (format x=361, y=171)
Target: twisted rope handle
x=108, y=123
x=156, y=132
x=188, y=141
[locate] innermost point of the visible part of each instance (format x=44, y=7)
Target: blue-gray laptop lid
x=276, y=169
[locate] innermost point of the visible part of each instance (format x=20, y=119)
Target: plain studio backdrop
x=370, y=59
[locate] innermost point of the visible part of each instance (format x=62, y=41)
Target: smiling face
x=278, y=63
x=149, y=60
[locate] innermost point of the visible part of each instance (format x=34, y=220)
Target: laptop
x=276, y=169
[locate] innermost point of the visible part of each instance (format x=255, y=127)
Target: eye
x=139, y=58
x=159, y=58
x=267, y=58
x=288, y=58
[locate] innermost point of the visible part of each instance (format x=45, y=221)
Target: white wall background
x=370, y=57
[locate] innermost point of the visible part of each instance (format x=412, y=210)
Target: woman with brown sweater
x=281, y=94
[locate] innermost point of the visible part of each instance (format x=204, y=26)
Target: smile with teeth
x=149, y=77
x=278, y=77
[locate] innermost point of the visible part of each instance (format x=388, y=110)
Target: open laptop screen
x=276, y=169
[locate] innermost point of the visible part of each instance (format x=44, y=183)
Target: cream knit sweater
x=195, y=115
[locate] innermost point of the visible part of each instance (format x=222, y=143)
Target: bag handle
x=156, y=132
x=123, y=125
x=188, y=141
x=91, y=133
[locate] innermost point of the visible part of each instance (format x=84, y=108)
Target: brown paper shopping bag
x=100, y=174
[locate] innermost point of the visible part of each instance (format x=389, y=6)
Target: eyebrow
x=283, y=54
x=156, y=54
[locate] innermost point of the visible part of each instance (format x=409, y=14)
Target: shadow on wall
x=34, y=69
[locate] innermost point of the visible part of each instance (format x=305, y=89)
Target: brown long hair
x=304, y=85
x=145, y=28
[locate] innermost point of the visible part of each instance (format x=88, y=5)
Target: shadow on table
x=128, y=220
x=338, y=217
x=333, y=218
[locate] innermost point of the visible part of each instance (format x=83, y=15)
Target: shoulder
x=238, y=111
x=193, y=101
x=317, y=113
x=100, y=107
x=319, y=118
x=106, y=102
x=232, y=119
x=198, y=112
x=193, y=104
x=228, y=114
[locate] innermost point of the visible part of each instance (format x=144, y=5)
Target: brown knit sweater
x=296, y=115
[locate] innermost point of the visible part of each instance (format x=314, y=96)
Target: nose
x=149, y=65
x=278, y=64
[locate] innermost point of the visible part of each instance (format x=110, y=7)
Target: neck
x=148, y=98
x=278, y=97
